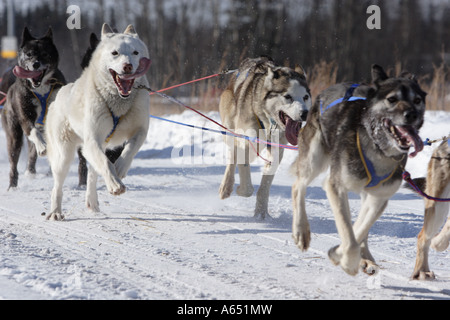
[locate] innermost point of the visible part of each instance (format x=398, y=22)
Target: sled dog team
x=361, y=133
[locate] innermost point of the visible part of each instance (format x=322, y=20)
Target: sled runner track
x=84, y=247
x=316, y=256
x=84, y=258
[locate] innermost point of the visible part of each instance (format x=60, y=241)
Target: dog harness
x=348, y=97
x=373, y=180
x=43, y=100
x=116, y=121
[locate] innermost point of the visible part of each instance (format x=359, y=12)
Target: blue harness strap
x=373, y=180
x=43, y=100
x=348, y=97
x=116, y=121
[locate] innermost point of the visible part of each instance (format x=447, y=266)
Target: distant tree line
x=413, y=35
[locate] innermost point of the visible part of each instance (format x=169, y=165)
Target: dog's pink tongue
x=411, y=136
x=292, y=131
x=20, y=72
x=144, y=65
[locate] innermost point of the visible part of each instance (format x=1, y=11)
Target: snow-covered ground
x=170, y=237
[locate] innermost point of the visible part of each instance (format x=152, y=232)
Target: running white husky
x=100, y=110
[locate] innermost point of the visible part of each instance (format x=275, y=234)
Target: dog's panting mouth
x=124, y=82
x=124, y=86
x=292, y=128
x=406, y=137
x=35, y=76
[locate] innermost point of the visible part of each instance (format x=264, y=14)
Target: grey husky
x=267, y=101
x=38, y=81
x=363, y=135
x=437, y=184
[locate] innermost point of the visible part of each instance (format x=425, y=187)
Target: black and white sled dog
x=437, y=185
x=267, y=101
x=363, y=135
x=100, y=110
x=28, y=98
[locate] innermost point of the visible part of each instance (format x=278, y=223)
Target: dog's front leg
x=91, y=190
x=123, y=163
x=371, y=209
x=100, y=163
x=300, y=226
x=37, y=138
x=262, y=196
x=227, y=185
x=433, y=220
x=348, y=254
x=245, y=188
x=27, y=119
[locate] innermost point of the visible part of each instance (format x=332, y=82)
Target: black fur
x=20, y=114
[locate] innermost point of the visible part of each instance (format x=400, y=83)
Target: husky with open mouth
x=98, y=111
x=267, y=101
x=363, y=134
x=38, y=80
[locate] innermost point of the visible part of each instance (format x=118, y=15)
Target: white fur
x=81, y=115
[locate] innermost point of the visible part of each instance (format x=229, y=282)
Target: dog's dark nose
x=304, y=115
x=127, y=68
x=36, y=65
x=410, y=116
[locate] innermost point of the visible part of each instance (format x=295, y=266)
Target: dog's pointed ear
x=378, y=74
x=130, y=31
x=26, y=36
x=49, y=34
x=106, y=29
x=299, y=69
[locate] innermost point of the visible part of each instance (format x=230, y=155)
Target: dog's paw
x=261, y=215
x=245, y=191
x=225, y=191
x=302, y=240
x=117, y=189
x=423, y=275
x=55, y=216
x=348, y=260
x=92, y=205
x=302, y=236
x=369, y=267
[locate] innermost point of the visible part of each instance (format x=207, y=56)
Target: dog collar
x=43, y=100
x=373, y=180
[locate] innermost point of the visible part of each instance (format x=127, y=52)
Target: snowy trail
x=170, y=237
